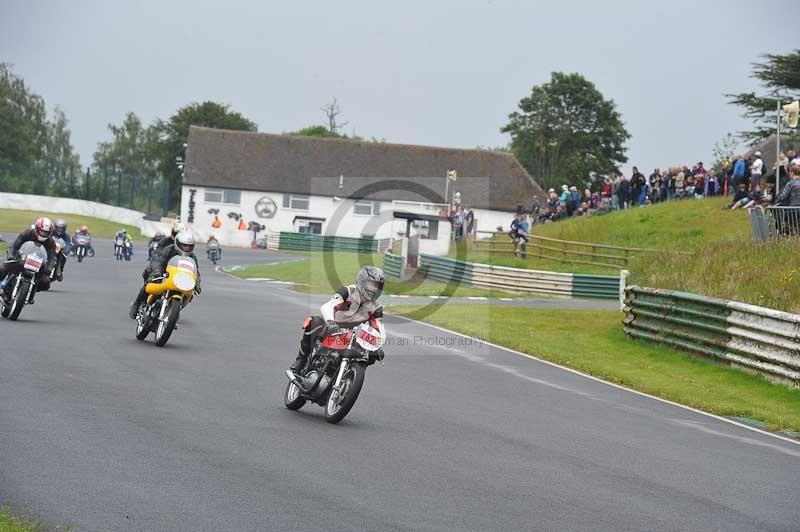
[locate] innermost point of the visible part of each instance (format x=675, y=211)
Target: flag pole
x=778, y=152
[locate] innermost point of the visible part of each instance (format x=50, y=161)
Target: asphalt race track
x=104, y=433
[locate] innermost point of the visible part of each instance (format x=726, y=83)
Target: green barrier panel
x=446, y=270
x=597, y=286
x=392, y=266
x=311, y=242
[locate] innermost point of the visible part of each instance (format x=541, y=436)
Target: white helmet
x=184, y=243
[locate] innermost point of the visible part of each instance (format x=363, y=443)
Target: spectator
x=564, y=198
x=679, y=182
x=790, y=194
x=606, y=191
x=470, y=223
x=536, y=206
x=739, y=170
x=458, y=222
x=755, y=197
x=524, y=234
x=740, y=197
x=756, y=169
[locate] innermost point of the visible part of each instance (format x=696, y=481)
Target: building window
x=294, y=201
x=367, y=207
x=314, y=228
x=230, y=197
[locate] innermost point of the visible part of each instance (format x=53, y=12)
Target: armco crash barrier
x=520, y=280
x=759, y=339
x=392, y=266
x=311, y=242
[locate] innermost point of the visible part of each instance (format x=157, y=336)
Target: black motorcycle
x=334, y=372
x=21, y=286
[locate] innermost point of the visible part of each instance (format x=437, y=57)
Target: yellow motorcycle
x=166, y=296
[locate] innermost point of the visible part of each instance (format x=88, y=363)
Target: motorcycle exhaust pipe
x=292, y=377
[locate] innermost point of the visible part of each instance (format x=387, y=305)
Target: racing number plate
x=186, y=265
x=33, y=263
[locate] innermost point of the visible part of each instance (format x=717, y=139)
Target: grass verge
x=14, y=523
x=13, y=221
x=721, y=260
x=312, y=275
x=593, y=342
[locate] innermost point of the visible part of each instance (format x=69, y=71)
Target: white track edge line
x=614, y=385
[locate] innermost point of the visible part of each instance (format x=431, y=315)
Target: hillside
x=722, y=260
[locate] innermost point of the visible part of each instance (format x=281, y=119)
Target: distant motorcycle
x=127, y=250
x=33, y=258
x=213, y=253
x=57, y=274
x=166, y=297
x=82, y=246
x=334, y=372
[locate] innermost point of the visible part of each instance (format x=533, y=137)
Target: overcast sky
x=442, y=73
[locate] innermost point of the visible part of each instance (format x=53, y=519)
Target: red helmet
x=43, y=229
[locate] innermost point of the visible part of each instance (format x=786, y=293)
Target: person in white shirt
x=756, y=169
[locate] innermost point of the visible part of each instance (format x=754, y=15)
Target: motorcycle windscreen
x=184, y=273
x=33, y=256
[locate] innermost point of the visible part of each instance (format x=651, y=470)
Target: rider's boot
x=299, y=362
x=140, y=298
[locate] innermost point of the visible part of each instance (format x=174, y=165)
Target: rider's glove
x=197, y=288
x=331, y=327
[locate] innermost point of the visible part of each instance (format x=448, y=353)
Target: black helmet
x=370, y=282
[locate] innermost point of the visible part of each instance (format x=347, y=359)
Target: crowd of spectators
x=746, y=179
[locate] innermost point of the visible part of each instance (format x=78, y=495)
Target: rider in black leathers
x=183, y=244
x=41, y=233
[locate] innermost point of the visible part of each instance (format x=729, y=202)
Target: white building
x=341, y=187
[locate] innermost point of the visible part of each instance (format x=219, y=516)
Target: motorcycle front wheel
x=167, y=325
x=19, y=300
x=143, y=324
x=339, y=404
x=292, y=398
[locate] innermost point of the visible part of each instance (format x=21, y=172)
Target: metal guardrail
x=311, y=242
x=784, y=221
x=392, y=266
x=558, y=284
x=757, y=339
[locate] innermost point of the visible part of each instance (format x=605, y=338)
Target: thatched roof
x=311, y=165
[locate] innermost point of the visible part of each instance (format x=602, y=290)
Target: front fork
x=343, y=367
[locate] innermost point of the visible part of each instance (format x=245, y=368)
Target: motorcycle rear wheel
x=19, y=301
x=164, y=328
x=292, y=398
x=338, y=405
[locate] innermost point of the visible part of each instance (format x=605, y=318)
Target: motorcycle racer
x=351, y=305
x=61, y=233
x=84, y=230
x=183, y=244
x=41, y=232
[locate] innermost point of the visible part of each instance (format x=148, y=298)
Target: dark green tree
x=23, y=135
x=174, y=133
x=566, y=131
x=779, y=76
x=61, y=165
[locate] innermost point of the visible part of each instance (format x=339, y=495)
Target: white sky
x=442, y=73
